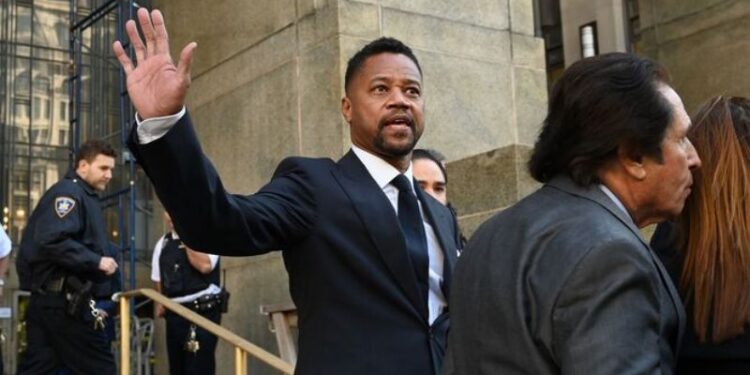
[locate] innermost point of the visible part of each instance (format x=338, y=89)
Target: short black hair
x=376, y=47
x=600, y=104
x=93, y=147
x=432, y=155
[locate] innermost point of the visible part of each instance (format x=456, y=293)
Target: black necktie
x=411, y=225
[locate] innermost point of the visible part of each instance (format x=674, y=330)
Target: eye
x=413, y=91
x=379, y=89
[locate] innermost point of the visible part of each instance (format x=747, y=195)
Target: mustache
x=395, y=116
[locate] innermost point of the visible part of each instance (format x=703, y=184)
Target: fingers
x=162, y=39
x=186, y=59
x=135, y=40
x=155, y=35
x=148, y=31
x=122, y=57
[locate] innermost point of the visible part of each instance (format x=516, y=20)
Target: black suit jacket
x=349, y=271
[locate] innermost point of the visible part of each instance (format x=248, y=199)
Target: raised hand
x=156, y=86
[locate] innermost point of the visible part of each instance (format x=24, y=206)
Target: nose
x=398, y=99
x=694, y=161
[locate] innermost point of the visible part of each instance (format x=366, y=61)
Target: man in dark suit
x=369, y=255
x=563, y=282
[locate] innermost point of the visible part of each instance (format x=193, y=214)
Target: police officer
x=63, y=255
x=190, y=278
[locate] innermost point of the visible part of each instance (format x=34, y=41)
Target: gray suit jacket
x=562, y=283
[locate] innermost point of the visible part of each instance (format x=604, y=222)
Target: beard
x=395, y=147
x=399, y=146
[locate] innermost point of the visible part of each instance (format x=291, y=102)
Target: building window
x=37, y=107
x=22, y=84
x=22, y=109
x=589, y=40
x=41, y=85
x=63, y=111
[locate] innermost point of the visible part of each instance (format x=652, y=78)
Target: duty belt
x=54, y=285
x=204, y=303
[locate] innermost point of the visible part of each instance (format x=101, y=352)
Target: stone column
x=268, y=81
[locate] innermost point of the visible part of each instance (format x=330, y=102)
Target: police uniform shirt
x=66, y=235
x=156, y=271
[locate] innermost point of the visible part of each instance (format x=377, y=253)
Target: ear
x=346, y=109
x=631, y=162
x=82, y=165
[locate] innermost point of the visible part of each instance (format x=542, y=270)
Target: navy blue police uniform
x=60, y=252
x=178, y=279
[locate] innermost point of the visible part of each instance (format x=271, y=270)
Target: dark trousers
x=182, y=362
x=55, y=339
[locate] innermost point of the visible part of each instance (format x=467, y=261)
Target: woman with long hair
x=707, y=249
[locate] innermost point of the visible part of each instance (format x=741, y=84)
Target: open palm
x=156, y=86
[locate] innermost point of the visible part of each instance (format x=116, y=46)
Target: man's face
x=431, y=179
x=667, y=183
x=98, y=172
x=384, y=106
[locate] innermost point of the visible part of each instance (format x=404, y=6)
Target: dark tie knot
x=402, y=183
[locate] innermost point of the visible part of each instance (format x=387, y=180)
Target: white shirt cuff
x=156, y=127
x=214, y=259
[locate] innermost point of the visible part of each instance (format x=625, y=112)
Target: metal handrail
x=242, y=347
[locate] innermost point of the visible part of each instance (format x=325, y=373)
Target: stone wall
x=268, y=81
x=703, y=43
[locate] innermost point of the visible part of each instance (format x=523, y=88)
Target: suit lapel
x=595, y=194
x=380, y=221
x=441, y=221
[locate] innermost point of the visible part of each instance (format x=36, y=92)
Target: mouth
x=401, y=120
x=689, y=188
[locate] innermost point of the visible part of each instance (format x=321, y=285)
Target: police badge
x=63, y=206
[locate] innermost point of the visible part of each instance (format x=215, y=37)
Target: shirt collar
x=72, y=175
x=614, y=198
x=382, y=172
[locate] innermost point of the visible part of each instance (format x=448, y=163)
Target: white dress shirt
x=616, y=200
x=156, y=272
x=383, y=173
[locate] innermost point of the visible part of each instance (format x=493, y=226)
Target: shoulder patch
x=64, y=206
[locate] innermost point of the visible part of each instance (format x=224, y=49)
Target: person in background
x=429, y=171
x=190, y=278
x=5, y=247
x=431, y=174
x=64, y=253
x=707, y=249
